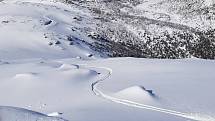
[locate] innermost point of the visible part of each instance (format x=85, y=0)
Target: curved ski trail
x=97, y=92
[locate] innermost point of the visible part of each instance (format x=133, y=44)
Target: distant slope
x=155, y=28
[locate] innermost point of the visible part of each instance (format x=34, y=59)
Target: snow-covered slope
x=43, y=29
x=149, y=29
x=51, y=67
x=18, y=114
x=154, y=28
x=66, y=87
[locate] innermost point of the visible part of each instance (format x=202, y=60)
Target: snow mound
x=68, y=67
x=25, y=76
x=19, y=114
x=51, y=64
x=136, y=93
x=81, y=74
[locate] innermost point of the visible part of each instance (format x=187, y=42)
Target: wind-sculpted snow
x=19, y=114
x=121, y=100
x=66, y=88
x=137, y=93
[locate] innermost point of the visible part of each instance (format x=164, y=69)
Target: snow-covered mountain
x=55, y=60
x=154, y=28
x=109, y=28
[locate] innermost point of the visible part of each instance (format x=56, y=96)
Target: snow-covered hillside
x=54, y=65
x=71, y=28
x=154, y=28
x=44, y=29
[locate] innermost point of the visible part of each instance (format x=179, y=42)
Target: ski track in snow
x=98, y=92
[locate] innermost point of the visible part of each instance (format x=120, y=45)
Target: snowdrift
x=19, y=114
x=136, y=93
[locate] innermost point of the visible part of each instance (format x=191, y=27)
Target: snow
x=18, y=114
x=54, y=114
x=166, y=10
x=68, y=67
x=59, y=82
x=208, y=2
x=23, y=30
x=44, y=86
x=136, y=93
